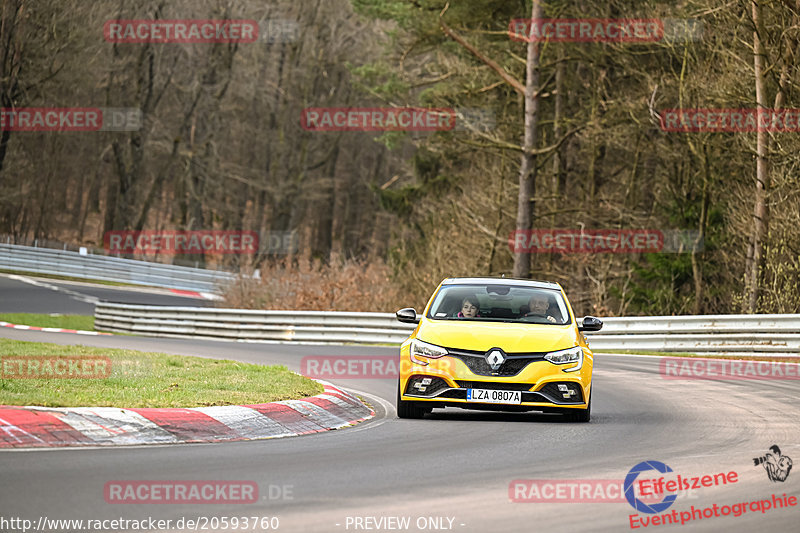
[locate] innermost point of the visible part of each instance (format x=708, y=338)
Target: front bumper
x=544, y=386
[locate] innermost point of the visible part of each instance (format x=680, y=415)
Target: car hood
x=510, y=337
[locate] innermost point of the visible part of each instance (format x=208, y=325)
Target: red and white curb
x=195, y=294
x=37, y=427
x=51, y=330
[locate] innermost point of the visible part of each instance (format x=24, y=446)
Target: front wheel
x=579, y=415
x=408, y=409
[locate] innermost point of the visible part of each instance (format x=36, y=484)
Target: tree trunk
x=11, y=58
x=527, y=171
x=761, y=212
x=559, y=176
x=697, y=271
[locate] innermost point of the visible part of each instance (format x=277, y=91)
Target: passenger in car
x=539, y=305
x=469, y=308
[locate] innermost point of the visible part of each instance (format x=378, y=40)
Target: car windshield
x=500, y=303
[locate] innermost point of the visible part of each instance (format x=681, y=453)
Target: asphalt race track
x=454, y=465
x=20, y=297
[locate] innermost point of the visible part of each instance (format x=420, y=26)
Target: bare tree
x=527, y=170
x=761, y=210
x=12, y=19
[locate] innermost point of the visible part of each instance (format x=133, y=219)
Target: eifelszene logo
x=777, y=466
x=636, y=503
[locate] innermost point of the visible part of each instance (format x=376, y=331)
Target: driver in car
x=539, y=305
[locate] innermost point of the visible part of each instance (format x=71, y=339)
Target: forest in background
x=381, y=218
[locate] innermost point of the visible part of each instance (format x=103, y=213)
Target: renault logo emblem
x=495, y=357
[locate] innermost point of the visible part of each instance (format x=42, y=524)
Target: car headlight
x=563, y=357
x=423, y=349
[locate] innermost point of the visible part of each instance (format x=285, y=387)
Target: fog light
x=422, y=384
x=567, y=391
x=563, y=392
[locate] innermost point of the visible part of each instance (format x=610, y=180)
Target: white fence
x=105, y=268
x=777, y=335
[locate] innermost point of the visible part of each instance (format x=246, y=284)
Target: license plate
x=494, y=396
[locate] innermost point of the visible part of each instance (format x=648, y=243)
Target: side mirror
x=407, y=315
x=591, y=323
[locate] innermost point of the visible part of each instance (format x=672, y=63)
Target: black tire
x=409, y=409
x=579, y=415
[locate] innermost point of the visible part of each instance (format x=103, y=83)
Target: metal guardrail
x=767, y=334
x=106, y=268
x=250, y=325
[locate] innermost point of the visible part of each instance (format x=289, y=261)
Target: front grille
x=574, y=392
x=494, y=386
x=513, y=365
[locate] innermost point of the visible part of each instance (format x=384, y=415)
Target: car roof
x=505, y=281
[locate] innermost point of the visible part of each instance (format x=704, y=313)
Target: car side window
x=555, y=312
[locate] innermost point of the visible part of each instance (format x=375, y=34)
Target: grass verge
x=85, y=322
x=140, y=379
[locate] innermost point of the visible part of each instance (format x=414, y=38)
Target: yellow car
x=496, y=344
